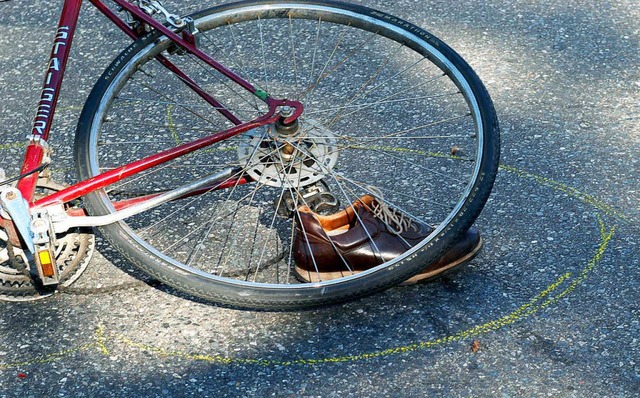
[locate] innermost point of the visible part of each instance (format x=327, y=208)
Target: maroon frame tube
x=138, y=13
x=168, y=64
x=54, y=74
x=53, y=80
x=122, y=172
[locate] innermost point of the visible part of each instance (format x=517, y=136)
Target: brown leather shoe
x=460, y=254
x=362, y=236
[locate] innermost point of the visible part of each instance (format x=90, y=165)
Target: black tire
x=469, y=152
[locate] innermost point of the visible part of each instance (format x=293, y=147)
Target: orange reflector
x=45, y=263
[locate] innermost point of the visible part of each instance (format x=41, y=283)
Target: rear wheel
x=390, y=111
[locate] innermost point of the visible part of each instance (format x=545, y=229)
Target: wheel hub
x=289, y=161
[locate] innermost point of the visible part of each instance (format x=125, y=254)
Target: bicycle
x=200, y=143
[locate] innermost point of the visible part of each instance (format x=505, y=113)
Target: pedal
x=36, y=233
x=44, y=244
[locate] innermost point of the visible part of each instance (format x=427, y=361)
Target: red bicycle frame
x=37, y=147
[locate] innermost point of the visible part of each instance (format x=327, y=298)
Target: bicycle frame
x=37, y=148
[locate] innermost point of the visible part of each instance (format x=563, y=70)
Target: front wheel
x=393, y=119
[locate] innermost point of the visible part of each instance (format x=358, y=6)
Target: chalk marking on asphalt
x=101, y=340
x=99, y=343
x=172, y=126
x=525, y=311
x=13, y=145
x=572, y=192
x=539, y=302
x=102, y=337
x=47, y=358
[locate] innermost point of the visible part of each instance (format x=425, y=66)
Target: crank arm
x=36, y=233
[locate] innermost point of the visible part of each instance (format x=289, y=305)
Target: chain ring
x=73, y=253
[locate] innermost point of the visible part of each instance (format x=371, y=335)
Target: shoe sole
x=436, y=273
x=314, y=277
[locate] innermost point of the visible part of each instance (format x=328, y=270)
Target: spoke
x=240, y=174
x=367, y=188
x=303, y=229
x=357, y=142
x=207, y=222
x=408, y=161
x=221, y=258
x=328, y=171
x=264, y=57
x=370, y=80
x=190, y=105
x=392, y=78
x=360, y=107
x=309, y=91
x=400, y=134
x=162, y=95
x=156, y=169
x=293, y=52
x=159, y=126
x=225, y=82
x=385, y=115
x=424, y=126
x=388, y=98
x=189, y=204
x=187, y=166
x=315, y=51
x=237, y=62
x=258, y=186
x=266, y=241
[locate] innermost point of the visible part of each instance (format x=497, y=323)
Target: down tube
x=37, y=146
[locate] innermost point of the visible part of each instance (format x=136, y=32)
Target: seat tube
x=37, y=146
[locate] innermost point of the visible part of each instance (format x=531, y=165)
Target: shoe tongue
x=369, y=218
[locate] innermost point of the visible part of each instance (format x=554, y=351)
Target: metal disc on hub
x=289, y=161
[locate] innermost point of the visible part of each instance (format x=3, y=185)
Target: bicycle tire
x=469, y=153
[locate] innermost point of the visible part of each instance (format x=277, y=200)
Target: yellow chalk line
x=521, y=313
x=46, y=358
x=172, y=125
x=539, y=302
x=526, y=310
x=12, y=145
x=572, y=192
x=99, y=343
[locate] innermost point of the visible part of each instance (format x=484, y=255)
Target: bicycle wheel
x=390, y=112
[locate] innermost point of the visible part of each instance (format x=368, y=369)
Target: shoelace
x=396, y=221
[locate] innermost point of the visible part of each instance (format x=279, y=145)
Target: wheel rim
x=347, y=187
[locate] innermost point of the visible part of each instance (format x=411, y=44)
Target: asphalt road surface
x=549, y=308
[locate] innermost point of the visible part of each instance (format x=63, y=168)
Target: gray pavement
x=549, y=308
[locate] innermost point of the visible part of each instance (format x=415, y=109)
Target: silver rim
x=325, y=18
